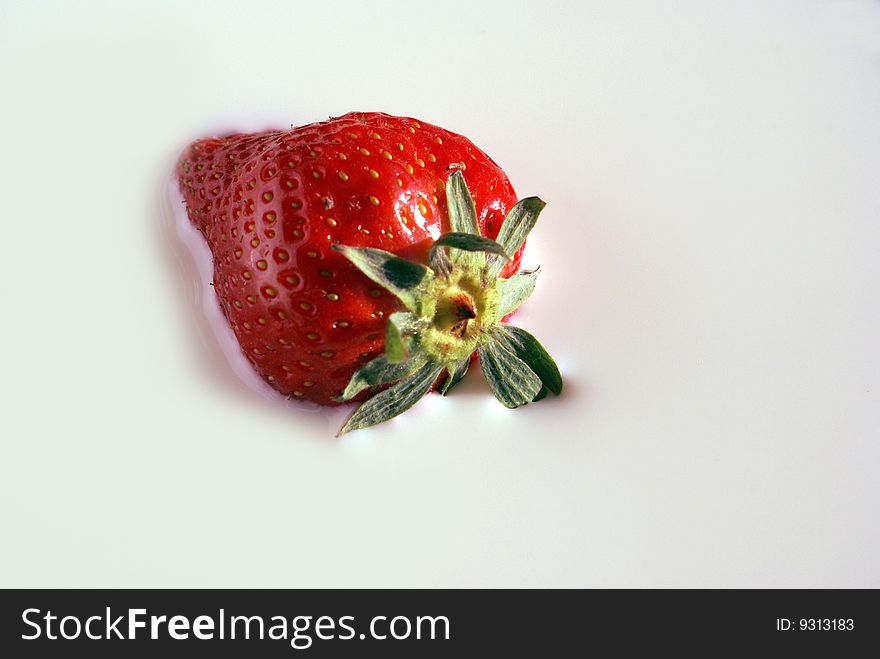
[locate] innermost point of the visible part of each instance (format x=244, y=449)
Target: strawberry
x=368, y=253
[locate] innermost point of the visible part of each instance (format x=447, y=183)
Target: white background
x=711, y=289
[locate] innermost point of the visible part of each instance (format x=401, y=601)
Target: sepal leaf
x=394, y=400
x=460, y=204
x=529, y=350
x=397, y=275
x=520, y=220
x=462, y=217
x=439, y=261
x=381, y=371
x=467, y=242
x=511, y=380
x=400, y=325
x=516, y=289
x=454, y=375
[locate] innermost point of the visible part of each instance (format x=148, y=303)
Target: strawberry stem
x=454, y=308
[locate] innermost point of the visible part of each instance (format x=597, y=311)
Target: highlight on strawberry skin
x=366, y=258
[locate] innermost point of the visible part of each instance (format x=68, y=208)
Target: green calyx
x=453, y=308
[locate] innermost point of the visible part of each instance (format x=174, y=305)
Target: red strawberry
x=307, y=228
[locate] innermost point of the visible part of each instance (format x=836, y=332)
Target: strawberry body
x=271, y=204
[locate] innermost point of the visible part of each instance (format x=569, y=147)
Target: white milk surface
x=710, y=258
